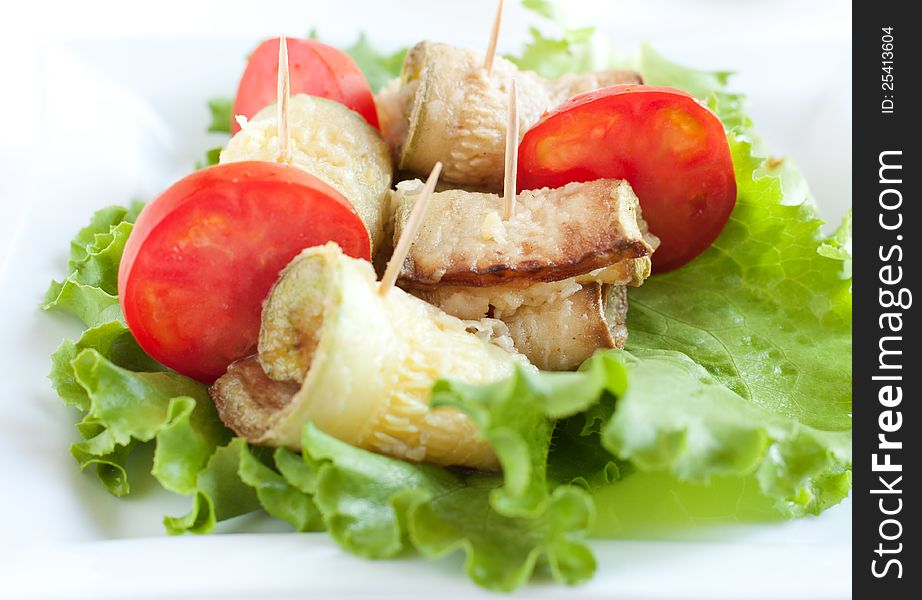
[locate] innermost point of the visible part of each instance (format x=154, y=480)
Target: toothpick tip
x=283, y=94
x=494, y=38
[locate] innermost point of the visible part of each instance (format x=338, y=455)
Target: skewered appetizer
x=446, y=107
x=544, y=283
x=565, y=253
x=359, y=365
x=203, y=255
x=358, y=359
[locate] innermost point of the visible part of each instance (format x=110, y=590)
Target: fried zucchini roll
x=359, y=366
x=582, y=230
x=446, y=107
x=555, y=273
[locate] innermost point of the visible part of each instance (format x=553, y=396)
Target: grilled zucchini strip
x=363, y=366
x=579, y=230
x=447, y=108
x=554, y=273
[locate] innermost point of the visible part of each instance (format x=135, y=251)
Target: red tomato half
x=313, y=68
x=202, y=257
x=668, y=145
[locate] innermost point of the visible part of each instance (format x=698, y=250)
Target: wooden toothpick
x=512, y=154
x=284, y=92
x=409, y=232
x=494, y=36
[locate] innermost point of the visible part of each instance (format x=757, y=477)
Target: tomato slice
x=204, y=254
x=667, y=144
x=313, y=68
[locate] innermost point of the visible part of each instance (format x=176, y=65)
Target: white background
x=104, y=101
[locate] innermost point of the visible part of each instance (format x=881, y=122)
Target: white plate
x=124, y=118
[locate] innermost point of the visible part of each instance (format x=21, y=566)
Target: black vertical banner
x=887, y=370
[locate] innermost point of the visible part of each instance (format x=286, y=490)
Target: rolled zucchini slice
x=362, y=365
x=448, y=108
x=395, y=100
x=332, y=143
x=555, y=273
x=578, y=230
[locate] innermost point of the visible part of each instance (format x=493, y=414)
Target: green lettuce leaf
x=756, y=331
x=221, y=117
x=378, y=507
x=517, y=417
x=221, y=110
x=577, y=456
x=113, y=342
x=276, y=495
x=109, y=466
x=839, y=245
x=101, y=223
x=220, y=493
x=648, y=505
x=762, y=309
x=212, y=157
x=89, y=291
x=575, y=51
x=239, y=479
x=580, y=49
x=89, y=303
x=708, y=430
x=124, y=407
x=99, y=268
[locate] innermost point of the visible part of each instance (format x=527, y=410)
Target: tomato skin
x=667, y=144
x=313, y=68
x=203, y=256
